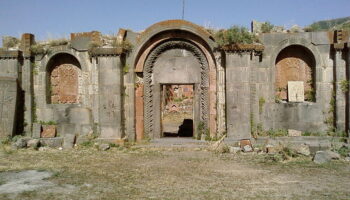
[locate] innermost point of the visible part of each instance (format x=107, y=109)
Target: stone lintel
x=243, y=48
x=7, y=54
x=96, y=52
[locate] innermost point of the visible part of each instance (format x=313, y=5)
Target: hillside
x=339, y=23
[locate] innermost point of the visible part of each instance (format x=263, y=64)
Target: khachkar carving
x=292, y=69
x=148, y=85
x=8, y=98
x=64, y=84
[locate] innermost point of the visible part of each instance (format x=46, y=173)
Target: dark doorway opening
x=177, y=110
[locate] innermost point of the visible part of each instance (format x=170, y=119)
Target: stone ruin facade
x=96, y=84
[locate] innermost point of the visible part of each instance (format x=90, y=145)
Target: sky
x=58, y=18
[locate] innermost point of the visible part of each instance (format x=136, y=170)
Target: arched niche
x=63, y=74
x=295, y=63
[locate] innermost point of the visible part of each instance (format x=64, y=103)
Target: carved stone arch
x=300, y=42
x=203, y=90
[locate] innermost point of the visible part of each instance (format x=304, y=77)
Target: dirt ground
x=165, y=173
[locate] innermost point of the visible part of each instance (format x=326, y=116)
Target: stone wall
x=239, y=84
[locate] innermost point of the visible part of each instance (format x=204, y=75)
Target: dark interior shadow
x=186, y=128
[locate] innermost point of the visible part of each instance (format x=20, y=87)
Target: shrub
x=235, y=35
x=9, y=42
x=344, y=86
x=266, y=27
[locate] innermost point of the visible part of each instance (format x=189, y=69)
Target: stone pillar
x=221, y=100
x=110, y=97
x=340, y=97
x=139, y=111
x=27, y=82
x=237, y=96
x=129, y=102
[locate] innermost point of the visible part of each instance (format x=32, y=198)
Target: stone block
x=49, y=131
x=8, y=99
x=110, y=131
x=325, y=156
x=68, y=141
x=295, y=91
x=294, y=133
x=51, y=142
x=33, y=143
x=67, y=129
x=79, y=115
x=36, y=130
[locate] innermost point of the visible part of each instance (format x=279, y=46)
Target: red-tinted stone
x=64, y=84
x=49, y=131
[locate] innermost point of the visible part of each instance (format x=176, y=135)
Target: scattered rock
x=302, y=149
x=19, y=144
x=247, y=148
x=33, y=143
x=294, y=133
x=271, y=149
x=325, y=156
x=43, y=148
x=234, y=149
x=104, y=147
x=68, y=141
x=347, y=159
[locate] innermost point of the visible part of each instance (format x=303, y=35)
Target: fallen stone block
x=325, y=156
x=51, y=142
x=294, y=133
x=33, y=143
x=68, y=141
x=247, y=148
x=234, y=149
x=302, y=149
x=104, y=147
x=20, y=143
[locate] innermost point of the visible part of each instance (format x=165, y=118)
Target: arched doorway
x=295, y=63
x=175, y=62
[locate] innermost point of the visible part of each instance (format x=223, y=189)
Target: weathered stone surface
x=295, y=91
x=20, y=143
x=8, y=99
x=104, y=147
x=36, y=130
x=51, y=142
x=235, y=149
x=302, y=149
x=68, y=141
x=49, y=131
x=271, y=149
x=294, y=63
x=325, y=156
x=247, y=148
x=294, y=133
x=64, y=83
x=33, y=143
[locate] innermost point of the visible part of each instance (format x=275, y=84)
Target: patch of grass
x=261, y=104
x=58, y=42
x=266, y=27
x=47, y=122
x=344, y=86
x=343, y=151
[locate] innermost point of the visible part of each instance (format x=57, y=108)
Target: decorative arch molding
x=63, y=79
x=203, y=90
x=298, y=42
x=56, y=53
